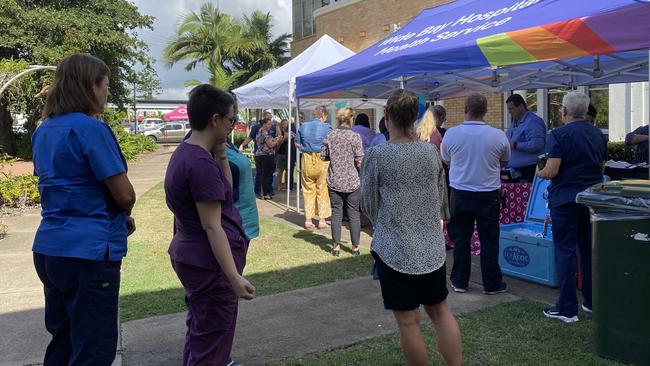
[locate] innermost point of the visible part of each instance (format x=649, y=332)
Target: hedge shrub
x=134, y=144
x=19, y=191
x=239, y=138
x=620, y=152
x=131, y=144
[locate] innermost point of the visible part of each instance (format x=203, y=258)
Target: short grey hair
x=477, y=104
x=576, y=104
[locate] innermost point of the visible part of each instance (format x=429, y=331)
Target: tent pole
x=402, y=83
x=298, y=157
x=288, y=171
x=647, y=113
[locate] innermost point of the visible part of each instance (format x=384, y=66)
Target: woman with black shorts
x=403, y=194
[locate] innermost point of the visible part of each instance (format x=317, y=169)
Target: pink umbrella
x=178, y=114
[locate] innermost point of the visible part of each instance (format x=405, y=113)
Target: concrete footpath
x=293, y=324
x=24, y=338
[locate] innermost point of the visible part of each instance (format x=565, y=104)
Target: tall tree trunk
x=6, y=132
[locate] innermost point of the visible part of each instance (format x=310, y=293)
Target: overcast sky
x=167, y=13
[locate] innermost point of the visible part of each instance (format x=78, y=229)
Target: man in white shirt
x=476, y=153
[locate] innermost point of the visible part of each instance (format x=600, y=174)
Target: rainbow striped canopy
x=497, y=45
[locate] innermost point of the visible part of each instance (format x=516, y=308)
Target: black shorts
x=403, y=292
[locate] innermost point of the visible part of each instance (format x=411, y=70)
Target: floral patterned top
x=344, y=149
x=261, y=140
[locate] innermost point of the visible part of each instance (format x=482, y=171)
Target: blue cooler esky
x=167, y=13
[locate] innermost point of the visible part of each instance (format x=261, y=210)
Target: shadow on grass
x=171, y=300
x=292, y=217
x=324, y=242
x=321, y=241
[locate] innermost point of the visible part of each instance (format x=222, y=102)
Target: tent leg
x=288, y=170
x=298, y=157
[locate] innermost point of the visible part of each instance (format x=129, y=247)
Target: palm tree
x=220, y=78
x=274, y=52
x=211, y=38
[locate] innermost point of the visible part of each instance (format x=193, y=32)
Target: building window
x=303, y=17
x=307, y=18
x=554, y=104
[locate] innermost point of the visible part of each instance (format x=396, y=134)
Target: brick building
x=358, y=24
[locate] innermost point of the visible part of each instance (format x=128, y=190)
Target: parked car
x=149, y=123
x=168, y=132
x=240, y=127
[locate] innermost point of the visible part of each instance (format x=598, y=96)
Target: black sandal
x=336, y=252
x=356, y=252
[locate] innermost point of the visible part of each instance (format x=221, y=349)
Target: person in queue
x=592, y=114
x=242, y=183
x=639, y=138
x=343, y=148
x=430, y=128
x=408, y=244
x=576, y=155
x=527, y=138
x=383, y=134
x=208, y=251
x=362, y=127
x=285, y=171
x=274, y=131
x=86, y=201
x=313, y=171
x=475, y=153
x=266, y=144
x=243, y=193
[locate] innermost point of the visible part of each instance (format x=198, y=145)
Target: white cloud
x=166, y=15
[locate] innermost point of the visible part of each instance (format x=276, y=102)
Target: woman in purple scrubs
x=208, y=251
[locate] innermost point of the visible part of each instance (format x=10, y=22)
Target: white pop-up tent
x=277, y=89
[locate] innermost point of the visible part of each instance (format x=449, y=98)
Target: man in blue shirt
x=313, y=171
x=576, y=155
x=527, y=137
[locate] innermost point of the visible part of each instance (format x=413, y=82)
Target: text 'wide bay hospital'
x=358, y=24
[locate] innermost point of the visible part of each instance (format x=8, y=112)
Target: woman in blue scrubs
x=86, y=201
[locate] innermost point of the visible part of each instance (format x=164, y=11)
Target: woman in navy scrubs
x=86, y=201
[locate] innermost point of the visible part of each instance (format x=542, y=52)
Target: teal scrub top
x=243, y=191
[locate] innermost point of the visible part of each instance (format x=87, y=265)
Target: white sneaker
x=586, y=309
x=554, y=314
x=460, y=290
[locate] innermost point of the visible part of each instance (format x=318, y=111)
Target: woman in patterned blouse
x=403, y=189
x=344, y=149
x=265, y=156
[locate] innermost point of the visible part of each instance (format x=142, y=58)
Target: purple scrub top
x=194, y=176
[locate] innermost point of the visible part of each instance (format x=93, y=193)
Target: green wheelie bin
x=620, y=213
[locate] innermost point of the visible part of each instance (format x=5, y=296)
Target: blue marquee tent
x=497, y=45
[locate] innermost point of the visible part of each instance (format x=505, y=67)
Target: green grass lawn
x=509, y=334
x=281, y=259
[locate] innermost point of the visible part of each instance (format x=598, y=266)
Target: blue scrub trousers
x=572, y=237
x=81, y=299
